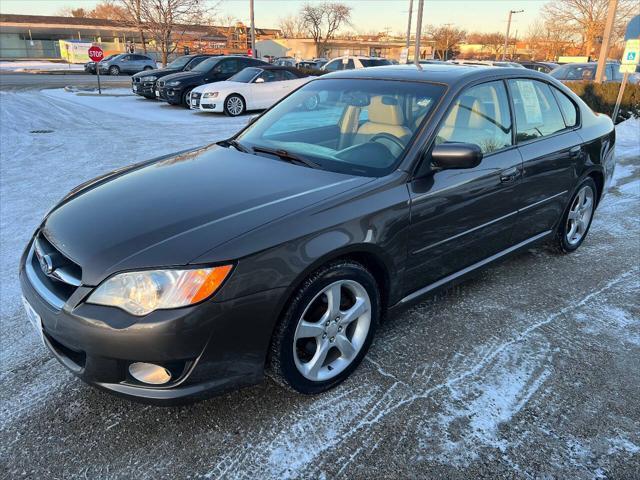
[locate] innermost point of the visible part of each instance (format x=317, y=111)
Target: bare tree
x=108, y=10
x=546, y=40
x=132, y=17
x=292, y=26
x=446, y=39
x=228, y=23
x=166, y=21
x=322, y=21
x=492, y=42
x=586, y=18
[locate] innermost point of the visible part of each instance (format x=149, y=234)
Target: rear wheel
x=576, y=220
x=114, y=70
x=327, y=328
x=234, y=105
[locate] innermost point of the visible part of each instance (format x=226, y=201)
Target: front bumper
x=145, y=89
x=209, y=348
x=168, y=94
x=211, y=105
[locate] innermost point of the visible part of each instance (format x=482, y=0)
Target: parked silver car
x=127, y=63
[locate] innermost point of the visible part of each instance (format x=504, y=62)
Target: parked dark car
x=90, y=66
x=144, y=83
x=572, y=72
x=282, y=248
x=127, y=63
x=175, y=88
x=544, y=67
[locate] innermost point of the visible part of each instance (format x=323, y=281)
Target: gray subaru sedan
x=280, y=250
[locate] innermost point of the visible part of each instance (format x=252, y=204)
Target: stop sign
x=96, y=54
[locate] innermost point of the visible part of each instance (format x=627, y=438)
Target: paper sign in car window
x=530, y=102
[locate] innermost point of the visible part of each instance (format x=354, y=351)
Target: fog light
x=149, y=373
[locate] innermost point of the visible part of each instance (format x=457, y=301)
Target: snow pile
x=34, y=65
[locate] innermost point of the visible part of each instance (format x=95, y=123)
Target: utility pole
x=446, y=51
x=409, y=25
x=416, y=56
x=253, y=30
x=506, y=37
x=606, y=39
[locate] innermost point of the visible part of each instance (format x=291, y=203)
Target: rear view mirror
x=456, y=155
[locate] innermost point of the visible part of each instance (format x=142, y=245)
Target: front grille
x=195, y=95
x=160, y=83
x=54, y=276
x=135, y=80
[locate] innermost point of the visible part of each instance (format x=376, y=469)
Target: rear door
x=460, y=217
x=550, y=147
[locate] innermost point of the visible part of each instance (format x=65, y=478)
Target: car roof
x=440, y=73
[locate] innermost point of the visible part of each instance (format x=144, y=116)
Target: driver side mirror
x=456, y=155
x=259, y=80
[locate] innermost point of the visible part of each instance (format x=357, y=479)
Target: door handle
x=575, y=151
x=509, y=175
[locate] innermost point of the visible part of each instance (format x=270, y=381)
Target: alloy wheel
x=332, y=330
x=235, y=105
x=579, y=215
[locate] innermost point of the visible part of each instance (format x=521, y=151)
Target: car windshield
x=359, y=127
x=205, y=66
x=374, y=62
x=179, y=62
x=246, y=75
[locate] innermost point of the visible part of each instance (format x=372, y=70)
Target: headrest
x=385, y=109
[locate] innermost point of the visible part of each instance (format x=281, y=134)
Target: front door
x=460, y=217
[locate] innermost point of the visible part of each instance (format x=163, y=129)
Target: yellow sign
x=631, y=55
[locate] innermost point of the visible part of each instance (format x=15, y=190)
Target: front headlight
x=174, y=83
x=140, y=293
x=150, y=78
x=210, y=95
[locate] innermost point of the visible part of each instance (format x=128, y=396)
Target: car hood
x=171, y=211
x=184, y=76
x=158, y=72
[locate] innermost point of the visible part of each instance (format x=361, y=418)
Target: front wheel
x=185, y=98
x=234, y=105
x=327, y=328
x=114, y=70
x=576, y=220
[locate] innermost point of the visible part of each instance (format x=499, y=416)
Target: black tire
x=185, y=98
x=560, y=242
x=238, y=98
x=282, y=364
x=114, y=70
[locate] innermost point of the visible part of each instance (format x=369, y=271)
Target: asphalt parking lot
x=529, y=370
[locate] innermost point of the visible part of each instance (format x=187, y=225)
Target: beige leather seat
x=385, y=116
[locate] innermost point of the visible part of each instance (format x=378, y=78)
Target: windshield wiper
x=235, y=144
x=287, y=157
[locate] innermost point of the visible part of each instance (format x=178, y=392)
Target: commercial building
x=35, y=36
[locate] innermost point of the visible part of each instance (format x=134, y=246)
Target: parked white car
x=254, y=88
x=353, y=62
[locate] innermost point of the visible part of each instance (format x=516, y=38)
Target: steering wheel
x=391, y=138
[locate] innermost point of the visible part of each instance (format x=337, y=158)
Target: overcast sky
x=473, y=15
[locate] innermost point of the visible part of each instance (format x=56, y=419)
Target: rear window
x=377, y=62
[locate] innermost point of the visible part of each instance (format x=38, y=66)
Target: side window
x=536, y=109
x=269, y=76
x=196, y=61
x=479, y=116
x=126, y=58
x=349, y=66
x=568, y=108
x=227, y=66
x=287, y=75
x=332, y=66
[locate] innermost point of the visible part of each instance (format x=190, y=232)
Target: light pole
x=416, y=56
x=409, y=25
x=506, y=37
x=446, y=51
x=606, y=39
x=253, y=30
